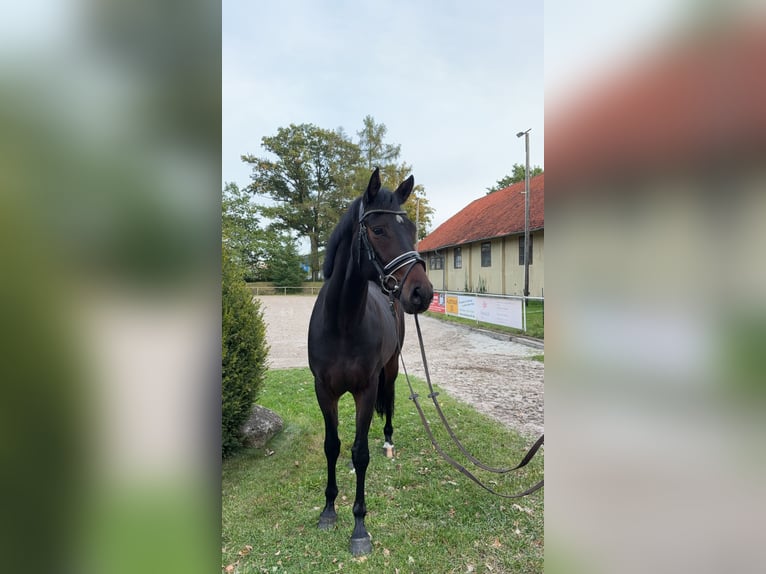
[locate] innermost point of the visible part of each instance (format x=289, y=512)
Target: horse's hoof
x=361, y=546
x=327, y=522
x=389, y=451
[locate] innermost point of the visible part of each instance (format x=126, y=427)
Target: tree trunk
x=314, y=257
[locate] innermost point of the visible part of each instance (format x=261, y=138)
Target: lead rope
x=456, y=465
x=433, y=394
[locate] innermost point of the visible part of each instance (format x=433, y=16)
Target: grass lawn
x=535, y=322
x=423, y=515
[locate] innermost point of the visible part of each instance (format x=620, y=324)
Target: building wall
x=436, y=276
x=505, y=276
x=487, y=279
x=457, y=278
x=513, y=272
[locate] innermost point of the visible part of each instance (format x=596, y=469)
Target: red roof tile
x=494, y=215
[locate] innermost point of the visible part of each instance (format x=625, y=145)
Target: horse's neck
x=346, y=299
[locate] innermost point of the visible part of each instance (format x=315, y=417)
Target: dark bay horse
x=372, y=274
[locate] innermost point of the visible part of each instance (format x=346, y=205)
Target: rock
x=261, y=427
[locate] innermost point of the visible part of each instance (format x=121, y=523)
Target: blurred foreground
x=656, y=307
x=110, y=297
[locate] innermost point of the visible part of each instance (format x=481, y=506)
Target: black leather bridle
x=386, y=278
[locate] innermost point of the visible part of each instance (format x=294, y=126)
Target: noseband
x=388, y=281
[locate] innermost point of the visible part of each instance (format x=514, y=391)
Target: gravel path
x=495, y=376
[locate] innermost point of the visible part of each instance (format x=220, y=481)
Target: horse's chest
x=358, y=354
x=356, y=358
x=345, y=353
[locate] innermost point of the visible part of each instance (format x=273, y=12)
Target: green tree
x=282, y=264
x=240, y=229
x=377, y=153
x=516, y=176
x=311, y=181
x=243, y=352
x=264, y=254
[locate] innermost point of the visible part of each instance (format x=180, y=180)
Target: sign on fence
x=488, y=309
x=450, y=306
x=506, y=312
x=437, y=304
x=466, y=306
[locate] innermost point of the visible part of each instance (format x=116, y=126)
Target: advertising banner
x=466, y=306
x=506, y=312
x=437, y=304
x=451, y=305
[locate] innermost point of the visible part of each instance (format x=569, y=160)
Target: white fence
x=273, y=290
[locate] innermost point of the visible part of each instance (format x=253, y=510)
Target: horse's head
x=387, y=239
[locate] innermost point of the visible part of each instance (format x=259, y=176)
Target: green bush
x=283, y=263
x=243, y=352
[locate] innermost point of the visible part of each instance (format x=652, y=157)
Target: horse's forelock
x=386, y=199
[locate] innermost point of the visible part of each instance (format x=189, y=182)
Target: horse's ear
x=404, y=189
x=373, y=187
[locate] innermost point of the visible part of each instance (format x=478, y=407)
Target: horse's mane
x=344, y=228
x=385, y=199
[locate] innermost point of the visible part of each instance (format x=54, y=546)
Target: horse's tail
x=385, y=399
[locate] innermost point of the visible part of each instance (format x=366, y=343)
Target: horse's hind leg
x=386, y=395
x=329, y=406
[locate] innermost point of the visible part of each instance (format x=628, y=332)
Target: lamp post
x=417, y=222
x=526, y=215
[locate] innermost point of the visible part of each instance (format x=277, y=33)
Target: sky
x=452, y=81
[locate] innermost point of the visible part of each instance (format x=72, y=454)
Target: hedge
x=243, y=351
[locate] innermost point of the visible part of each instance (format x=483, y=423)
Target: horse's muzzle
x=417, y=292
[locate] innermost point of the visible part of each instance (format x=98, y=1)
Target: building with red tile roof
x=481, y=248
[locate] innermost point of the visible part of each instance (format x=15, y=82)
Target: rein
x=459, y=467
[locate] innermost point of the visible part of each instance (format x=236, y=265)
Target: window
x=521, y=249
x=486, y=254
x=436, y=262
x=458, y=257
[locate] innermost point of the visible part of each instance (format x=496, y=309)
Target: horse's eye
x=377, y=230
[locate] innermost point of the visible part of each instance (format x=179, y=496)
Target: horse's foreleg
x=331, y=450
x=360, y=452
